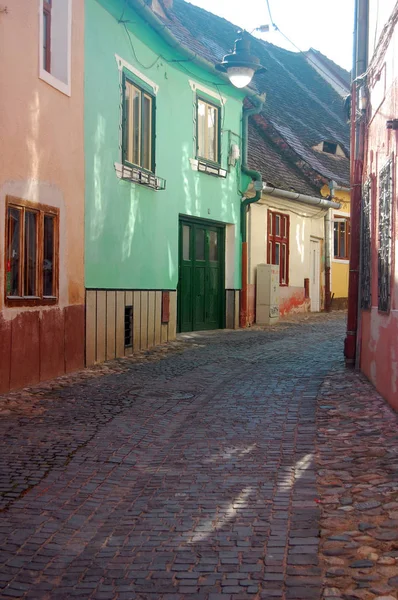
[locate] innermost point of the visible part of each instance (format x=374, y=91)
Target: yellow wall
x=340, y=268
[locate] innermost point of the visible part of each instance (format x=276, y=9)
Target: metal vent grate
x=128, y=326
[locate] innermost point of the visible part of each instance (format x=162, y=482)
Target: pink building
x=377, y=110
x=41, y=190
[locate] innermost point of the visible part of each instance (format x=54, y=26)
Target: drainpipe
x=258, y=102
x=327, y=229
x=357, y=157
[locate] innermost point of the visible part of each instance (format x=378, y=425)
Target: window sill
x=59, y=85
x=139, y=176
x=13, y=301
x=207, y=167
x=342, y=261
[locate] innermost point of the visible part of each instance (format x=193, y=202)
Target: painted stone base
x=152, y=322
x=37, y=345
x=293, y=300
x=339, y=303
x=379, y=352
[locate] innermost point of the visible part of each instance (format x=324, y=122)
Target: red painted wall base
x=379, y=352
x=40, y=345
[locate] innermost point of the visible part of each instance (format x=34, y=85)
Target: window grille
x=366, y=256
x=384, y=254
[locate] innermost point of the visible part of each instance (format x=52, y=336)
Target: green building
x=163, y=182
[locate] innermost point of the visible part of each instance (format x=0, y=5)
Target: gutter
x=334, y=187
x=303, y=198
x=145, y=12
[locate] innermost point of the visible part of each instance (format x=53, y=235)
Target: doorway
x=201, y=289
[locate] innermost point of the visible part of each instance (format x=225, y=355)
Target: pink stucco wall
x=42, y=160
x=379, y=331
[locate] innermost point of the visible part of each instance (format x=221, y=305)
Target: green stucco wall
x=132, y=231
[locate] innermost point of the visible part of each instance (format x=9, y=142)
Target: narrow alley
x=232, y=465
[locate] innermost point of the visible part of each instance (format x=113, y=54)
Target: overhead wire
x=179, y=61
x=276, y=28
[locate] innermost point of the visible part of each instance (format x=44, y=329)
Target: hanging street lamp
x=240, y=66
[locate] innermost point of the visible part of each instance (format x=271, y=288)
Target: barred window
x=366, y=255
x=384, y=253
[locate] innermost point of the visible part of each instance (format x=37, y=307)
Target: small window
x=342, y=238
x=138, y=125
x=208, y=117
x=278, y=244
x=186, y=242
x=55, y=43
x=128, y=326
x=47, y=35
x=31, y=274
x=330, y=147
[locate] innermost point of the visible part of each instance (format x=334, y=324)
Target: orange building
x=41, y=190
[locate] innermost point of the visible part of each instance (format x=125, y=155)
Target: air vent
x=128, y=326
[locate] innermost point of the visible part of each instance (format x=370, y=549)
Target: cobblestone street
x=232, y=465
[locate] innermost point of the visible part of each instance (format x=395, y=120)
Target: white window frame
x=63, y=87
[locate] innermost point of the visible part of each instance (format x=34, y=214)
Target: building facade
x=163, y=194
x=378, y=289
x=340, y=247
x=41, y=191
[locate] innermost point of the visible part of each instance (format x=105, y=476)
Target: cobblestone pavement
x=357, y=442
x=191, y=473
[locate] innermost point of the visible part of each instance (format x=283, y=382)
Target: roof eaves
x=313, y=177
x=164, y=31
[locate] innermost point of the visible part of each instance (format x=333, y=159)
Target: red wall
x=38, y=345
x=379, y=331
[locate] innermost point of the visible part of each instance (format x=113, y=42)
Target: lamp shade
x=240, y=65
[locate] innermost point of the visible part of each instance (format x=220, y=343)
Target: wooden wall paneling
x=237, y=304
x=101, y=326
x=120, y=324
x=164, y=332
x=110, y=325
x=91, y=327
x=158, y=317
x=172, y=332
x=151, y=319
x=129, y=301
x=137, y=321
x=144, y=320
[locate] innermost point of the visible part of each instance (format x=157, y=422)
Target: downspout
x=357, y=157
x=258, y=102
x=328, y=291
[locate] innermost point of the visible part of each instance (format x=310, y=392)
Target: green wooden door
x=201, y=276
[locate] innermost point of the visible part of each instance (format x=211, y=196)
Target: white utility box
x=267, y=294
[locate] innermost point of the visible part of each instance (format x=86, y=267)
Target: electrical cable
x=167, y=60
